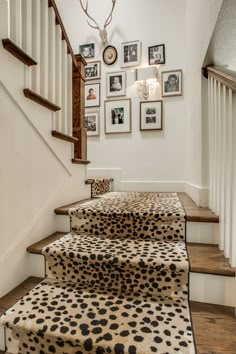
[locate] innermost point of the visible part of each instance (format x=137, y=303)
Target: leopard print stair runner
x=118, y=285
x=100, y=186
x=64, y=318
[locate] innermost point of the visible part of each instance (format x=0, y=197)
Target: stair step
x=18, y=52
x=208, y=259
x=195, y=213
x=87, y=320
x=41, y=100
x=38, y=246
x=63, y=210
x=80, y=161
x=65, y=137
x=18, y=292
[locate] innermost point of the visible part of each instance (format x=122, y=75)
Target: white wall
x=36, y=173
x=175, y=154
x=141, y=156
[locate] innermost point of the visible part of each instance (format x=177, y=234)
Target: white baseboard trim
x=197, y=193
x=151, y=186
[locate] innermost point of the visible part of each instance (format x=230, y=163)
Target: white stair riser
x=63, y=223
x=37, y=265
x=12, y=345
x=2, y=338
x=213, y=289
x=202, y=232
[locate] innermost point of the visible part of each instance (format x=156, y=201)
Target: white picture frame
x=93, y=70
x=92, y=95
x=116, y=84
x=151, y=115
x=91, y=123
x=130, y=54
x=87, y=50
x=171, y=83
x=118, y=116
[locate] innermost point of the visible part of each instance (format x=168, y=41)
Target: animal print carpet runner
x=119, y=284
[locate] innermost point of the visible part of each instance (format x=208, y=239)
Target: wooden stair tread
x=63, y=210
x=38, y=246
x=80, y=161
x=18, y=52
x=17, y=293
x=65, y=137
x=214, y=328
x=205, y=258
x=91, y=180
x=196, y=213
x=33, y=96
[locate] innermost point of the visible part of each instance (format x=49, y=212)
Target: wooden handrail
x=51, y=3
x=225, y=76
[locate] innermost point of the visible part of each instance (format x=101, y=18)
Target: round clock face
x=109, y=55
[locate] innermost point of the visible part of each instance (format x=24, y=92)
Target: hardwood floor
x=214, y=328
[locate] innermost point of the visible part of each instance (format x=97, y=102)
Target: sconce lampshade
x=147, y=73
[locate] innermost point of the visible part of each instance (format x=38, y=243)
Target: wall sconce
x=145, y=78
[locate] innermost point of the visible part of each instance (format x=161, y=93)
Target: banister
x=51, y=3
x=225, y=76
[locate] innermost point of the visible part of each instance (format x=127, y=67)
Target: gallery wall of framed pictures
x=117, y=106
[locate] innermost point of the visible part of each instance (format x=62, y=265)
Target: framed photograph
x=109, y=55
x=93, y=70
x=87, y=50
x=118, y=116
x=91, y=123
x=156, y=54
x=116, y=84
x=92, y=95
x=151, y=115
x=171, y=83
x=130, y=54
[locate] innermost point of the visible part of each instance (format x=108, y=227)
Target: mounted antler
x=102, y=32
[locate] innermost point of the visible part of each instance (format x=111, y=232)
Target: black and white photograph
x=156, y=54
x=92, y=95
x=93, y=70
x=151, y=115
x=118, y=116
x=116, y=84
x=91, y=123
x=87, y=50
x=130, y=54
x=171, y=83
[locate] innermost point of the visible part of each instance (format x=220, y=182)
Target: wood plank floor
x=214, y=325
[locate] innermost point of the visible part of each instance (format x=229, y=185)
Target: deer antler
x=109, y=18
x=102, y=32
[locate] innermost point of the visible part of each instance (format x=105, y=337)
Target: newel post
x=78, y=88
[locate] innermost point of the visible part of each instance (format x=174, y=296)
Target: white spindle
x=58, y=77
x=228, y=175
x=69, y=96
x=5, y=18
x=223, y=168
x=233, y=245
x=27, y=37
x=64, y=86
x=36, y=45
x=214, y=147
x=210, y=129
x=16, y=22
x=52, y=55
x=44, y=49
x=218, y=146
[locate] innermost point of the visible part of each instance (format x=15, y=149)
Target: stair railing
x=222, y=154
x=36, y=35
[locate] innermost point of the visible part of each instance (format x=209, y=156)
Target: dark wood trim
x=225, y=76
x=80, y=161
x=41, y=100
x=17, y=52
x=51, y=3
x=78, y=109
x=37, y=247
x=64, y=137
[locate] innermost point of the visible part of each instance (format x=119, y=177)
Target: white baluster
x=27, y=37
x=64, y=86
x=16, y=22
x=5, y=19
x=69, y=96
x=233, y=234
x=58, y=77
x=210, y=138
x=223, y=168
x=52, y=55
x=44, y=49
x=36, y=44
x=218, y=149
x=214, y=147
x=228, y=219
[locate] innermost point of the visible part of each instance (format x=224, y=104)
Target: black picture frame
x=110, y=55
x=156, y=54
